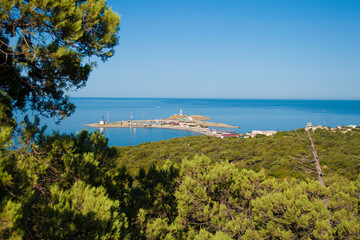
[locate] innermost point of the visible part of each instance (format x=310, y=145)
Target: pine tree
x=48, y=47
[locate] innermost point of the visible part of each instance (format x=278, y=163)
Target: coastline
x=125, y=124
x=96, y=125
x=196, y=126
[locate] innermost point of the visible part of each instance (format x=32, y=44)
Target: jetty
x=193, y=123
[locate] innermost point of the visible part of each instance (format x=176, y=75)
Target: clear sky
x=233, y=49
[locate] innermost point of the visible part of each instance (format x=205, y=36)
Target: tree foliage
x=72, y=186
x=339, y=153
x=221, y=201
x=48, y=47
x=60, y=187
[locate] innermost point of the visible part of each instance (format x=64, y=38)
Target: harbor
x=193, y=123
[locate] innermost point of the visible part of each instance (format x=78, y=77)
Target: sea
x=248, y=114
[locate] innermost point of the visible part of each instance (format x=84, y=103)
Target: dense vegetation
x=339, y=153
x=76, y=187
x=49, y=47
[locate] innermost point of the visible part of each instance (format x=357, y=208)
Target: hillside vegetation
x=76, y=187
x=339, y=153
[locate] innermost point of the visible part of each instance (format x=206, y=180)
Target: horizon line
x=219, y=98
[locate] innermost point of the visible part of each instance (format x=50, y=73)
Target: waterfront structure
x=193, y=123
x=102, y=122
x=256, y=132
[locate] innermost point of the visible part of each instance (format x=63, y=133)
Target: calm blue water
x=248, y=114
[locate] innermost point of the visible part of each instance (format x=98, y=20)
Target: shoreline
x=120, y=125
x=200, y=127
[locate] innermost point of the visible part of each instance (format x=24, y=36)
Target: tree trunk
x=316, y=158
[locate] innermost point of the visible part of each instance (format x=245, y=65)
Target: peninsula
x=192, y=123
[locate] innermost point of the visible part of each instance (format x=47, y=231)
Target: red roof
x=230, y=135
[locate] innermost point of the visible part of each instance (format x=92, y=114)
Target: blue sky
x=233, y=49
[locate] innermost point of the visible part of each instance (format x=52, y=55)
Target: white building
x=266, y=133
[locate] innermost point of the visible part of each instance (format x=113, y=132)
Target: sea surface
x=249, y=115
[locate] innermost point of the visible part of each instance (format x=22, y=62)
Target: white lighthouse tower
x=181, y=112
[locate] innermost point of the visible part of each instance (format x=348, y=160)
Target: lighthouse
x=181, y=112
